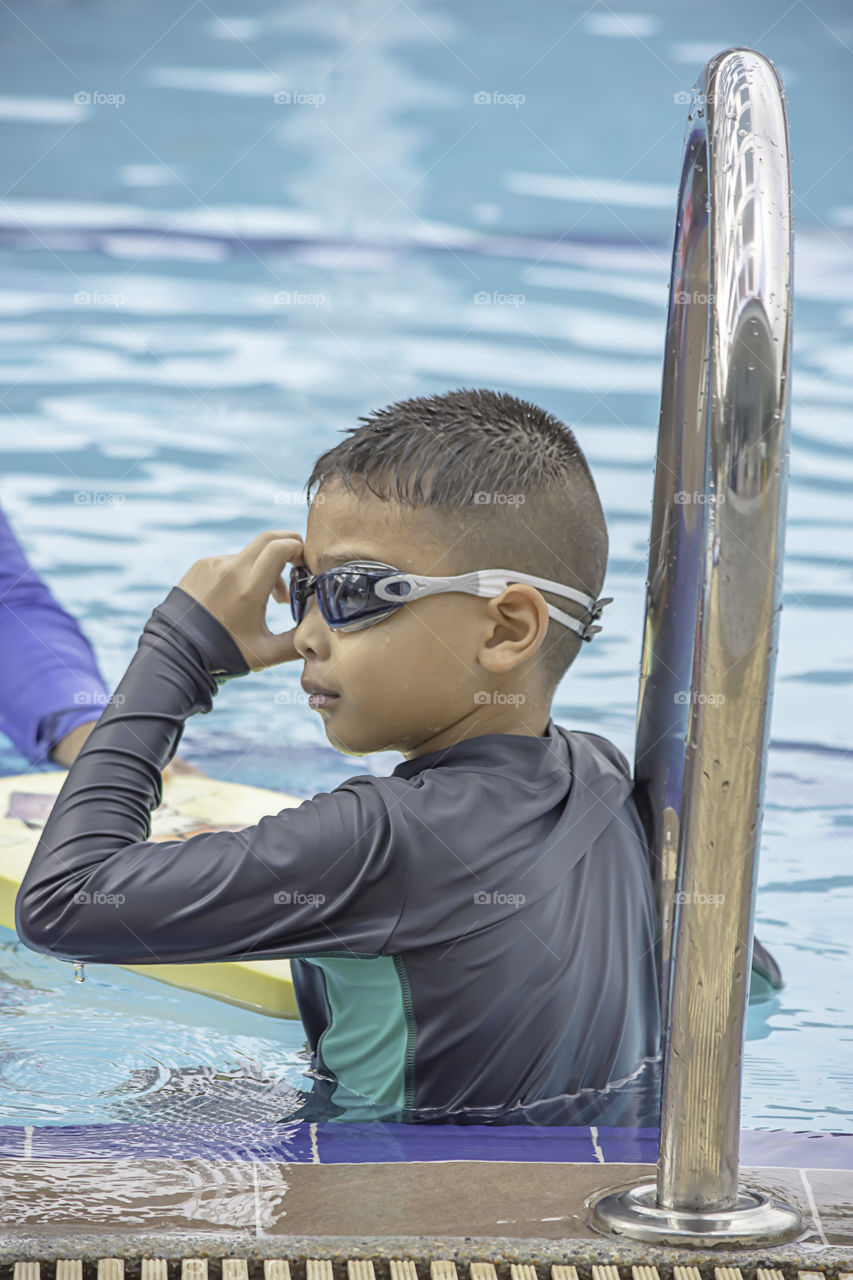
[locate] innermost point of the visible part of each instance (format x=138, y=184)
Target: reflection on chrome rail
x=709, y=647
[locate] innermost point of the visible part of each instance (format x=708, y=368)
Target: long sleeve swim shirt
x=473, y=933
x=49, y=679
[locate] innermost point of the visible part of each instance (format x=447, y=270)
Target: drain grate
x=400, y=1269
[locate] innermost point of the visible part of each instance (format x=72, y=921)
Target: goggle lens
x=344, y=595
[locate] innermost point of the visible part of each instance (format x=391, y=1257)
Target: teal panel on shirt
x=369, y=1044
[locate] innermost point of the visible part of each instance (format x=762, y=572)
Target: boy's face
x=409, y=682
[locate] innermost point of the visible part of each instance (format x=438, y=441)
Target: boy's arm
x=319, y=877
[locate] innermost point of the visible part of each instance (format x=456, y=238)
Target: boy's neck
x=536, y=728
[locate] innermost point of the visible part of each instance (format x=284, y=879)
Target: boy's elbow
x=28, y=925
x=37, y=927
x=67, y=928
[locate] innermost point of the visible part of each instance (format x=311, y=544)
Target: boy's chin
x=357, y=744
x=351, y=745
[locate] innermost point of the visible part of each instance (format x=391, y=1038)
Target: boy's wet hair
x=509, y=485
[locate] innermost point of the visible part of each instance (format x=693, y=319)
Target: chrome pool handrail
x=710, y=639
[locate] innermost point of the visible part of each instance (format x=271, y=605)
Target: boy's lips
x=312, y=687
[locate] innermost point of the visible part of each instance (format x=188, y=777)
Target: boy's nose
x=312, y=632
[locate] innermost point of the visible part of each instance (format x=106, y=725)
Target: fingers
x=280, y=591
x=265, y=575
x=251, y=552
x=280, y=648
x=270, y=649
x=262, y=562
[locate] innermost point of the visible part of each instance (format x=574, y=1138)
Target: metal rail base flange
x=755, y=1221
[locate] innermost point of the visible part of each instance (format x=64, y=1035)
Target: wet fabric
x=473, y=933
x=49, y=679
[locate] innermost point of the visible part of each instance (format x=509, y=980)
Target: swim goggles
x=361, y=592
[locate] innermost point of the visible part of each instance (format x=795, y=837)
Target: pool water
x=121, y=1047
x=202, y=287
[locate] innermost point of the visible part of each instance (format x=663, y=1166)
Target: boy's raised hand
x=235, y=589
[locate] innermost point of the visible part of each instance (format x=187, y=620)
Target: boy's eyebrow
x=341, y=557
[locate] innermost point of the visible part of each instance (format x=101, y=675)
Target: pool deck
x=464, y=1210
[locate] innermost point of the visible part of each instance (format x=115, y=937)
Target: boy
x=471, y=935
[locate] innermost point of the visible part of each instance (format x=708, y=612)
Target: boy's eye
x=349, y=588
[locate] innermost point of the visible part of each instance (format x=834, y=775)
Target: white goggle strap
x=490, y=583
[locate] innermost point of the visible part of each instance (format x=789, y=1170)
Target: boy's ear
x=521, y=617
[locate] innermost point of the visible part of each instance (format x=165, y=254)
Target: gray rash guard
x=470, y=935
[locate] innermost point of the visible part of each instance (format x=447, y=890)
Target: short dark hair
x=542, y=515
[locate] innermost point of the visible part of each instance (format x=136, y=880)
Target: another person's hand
x=237, y=588
x=68, y=748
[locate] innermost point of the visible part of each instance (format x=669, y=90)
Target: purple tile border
x=362, y=1144
x=385, y=1143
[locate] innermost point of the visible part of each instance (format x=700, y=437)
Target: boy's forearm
x=115, y=782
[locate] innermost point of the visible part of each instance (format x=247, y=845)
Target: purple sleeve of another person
x=49, y=679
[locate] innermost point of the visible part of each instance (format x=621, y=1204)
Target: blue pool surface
x=202, y=287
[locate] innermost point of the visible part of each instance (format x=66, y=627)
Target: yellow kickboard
x=190, y=804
